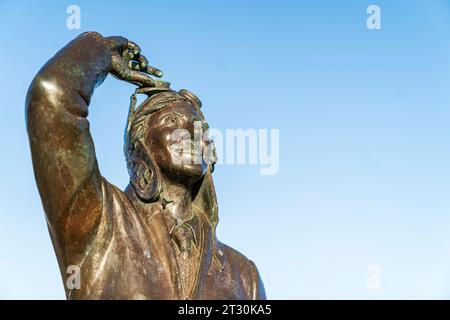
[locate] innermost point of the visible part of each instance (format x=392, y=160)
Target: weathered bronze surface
x=156, y=239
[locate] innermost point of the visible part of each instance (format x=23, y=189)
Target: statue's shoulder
x=115, y=201
x=112, y=193
x=243, y=268
x=236, y=260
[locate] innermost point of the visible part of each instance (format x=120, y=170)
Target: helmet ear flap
x=145, y=174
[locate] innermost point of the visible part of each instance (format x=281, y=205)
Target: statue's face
x=170, y=139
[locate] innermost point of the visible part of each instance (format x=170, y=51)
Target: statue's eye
x=170, y=120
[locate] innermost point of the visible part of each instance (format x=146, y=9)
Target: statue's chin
x=190, y=173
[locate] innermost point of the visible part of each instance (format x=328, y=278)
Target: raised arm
x=63, y=154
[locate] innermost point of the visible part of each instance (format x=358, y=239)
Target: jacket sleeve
x=64, y=161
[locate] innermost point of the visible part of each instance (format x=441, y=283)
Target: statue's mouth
x=187, y=152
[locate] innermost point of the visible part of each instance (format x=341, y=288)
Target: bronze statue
x=156, y=239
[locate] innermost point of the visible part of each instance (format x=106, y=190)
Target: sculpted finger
x=143, y=62
x=144, y=67
x=145, y=80
x=128, y=55
x=134, y=65
x=153, y=71
x=131, y=71
x=140, y=78
x=133, y=47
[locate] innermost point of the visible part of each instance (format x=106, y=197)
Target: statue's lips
x=186, y=151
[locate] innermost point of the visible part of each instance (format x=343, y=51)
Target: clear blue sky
x=364, y=135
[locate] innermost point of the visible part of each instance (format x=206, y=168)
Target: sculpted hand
x=130, y=65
